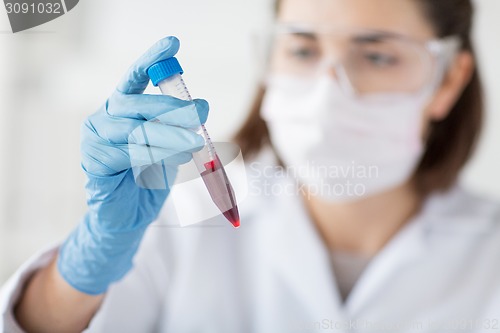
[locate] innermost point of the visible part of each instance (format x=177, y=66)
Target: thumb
x=137, y=79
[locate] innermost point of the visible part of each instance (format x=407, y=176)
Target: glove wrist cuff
x=90, y=260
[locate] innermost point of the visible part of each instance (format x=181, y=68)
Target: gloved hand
x=131, y=148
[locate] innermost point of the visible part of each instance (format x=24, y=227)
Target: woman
x=372, y=108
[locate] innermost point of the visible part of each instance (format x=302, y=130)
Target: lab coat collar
x=406, y=246
x=298, y=258
x=301, y=261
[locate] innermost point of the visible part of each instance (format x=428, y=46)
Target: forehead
x=398, y=16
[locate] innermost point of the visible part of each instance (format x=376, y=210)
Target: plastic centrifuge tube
x=167, y=75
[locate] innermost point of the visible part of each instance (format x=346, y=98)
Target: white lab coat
x=274, y=275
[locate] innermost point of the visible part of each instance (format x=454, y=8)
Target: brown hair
x=450, y=142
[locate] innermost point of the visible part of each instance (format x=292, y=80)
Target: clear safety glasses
x=364, y=62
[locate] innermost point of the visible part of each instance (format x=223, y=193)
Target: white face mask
x=342, y=148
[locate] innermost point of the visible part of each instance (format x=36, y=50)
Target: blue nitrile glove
x=128, y=147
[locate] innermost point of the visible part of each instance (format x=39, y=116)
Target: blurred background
x=54, y=75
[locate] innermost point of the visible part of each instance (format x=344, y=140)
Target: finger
x=202, y=107
x=114, y=128
x=148, y=107
x=102, y=159
x=158, y=176
x=145, y=155
x=167, y=137
x=137, y=79
x=192, y=116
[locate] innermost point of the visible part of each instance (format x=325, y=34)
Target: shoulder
x=460, y=209
x=471, y=222
x=464, y=203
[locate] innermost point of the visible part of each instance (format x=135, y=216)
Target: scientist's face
x=397, y=65
x=358, y=82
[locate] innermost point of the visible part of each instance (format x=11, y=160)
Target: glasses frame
x=441, y=50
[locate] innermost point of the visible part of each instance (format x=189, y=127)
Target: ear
x=456, y=79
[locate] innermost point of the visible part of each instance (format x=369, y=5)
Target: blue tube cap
x=164, y=69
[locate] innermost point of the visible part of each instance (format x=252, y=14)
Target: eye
x=380, y=60
x=303, y=53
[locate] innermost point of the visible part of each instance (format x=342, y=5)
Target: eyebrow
x=307, y=35
x=363, y=37
x=374, y=37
